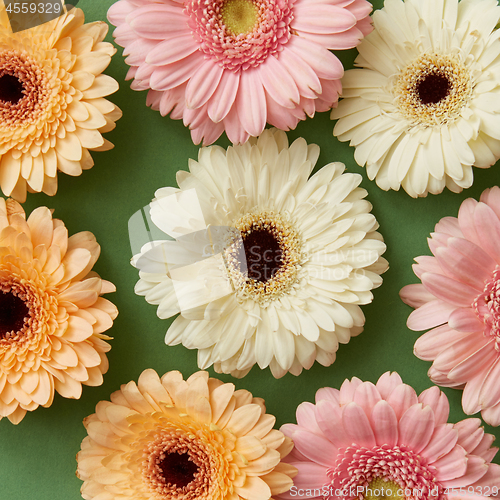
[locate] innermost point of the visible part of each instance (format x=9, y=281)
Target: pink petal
x=432, y=343
x=491, y=197
x=172, y=50
x=305, y=78
x=449, y=290
x=315, y=448
x=476, y=469
x=402, y=398
x=490, y=391
x=456, y=353
x=153, y=21
x=233, y=127
x=280, y=117
x=452, y=465
x=278, y=83
x=118, y=12
x=367, y=396
x=442, y=442
x=491, y=415
x=310, y=476
x=415, y=295
x=466, y=220
x=438, y=401
x=384, y=424
x=416, y=427
x=470, y=396
x=321, y=18
x=461, y=268
x=432, y=314
x=465, y=320
x=322, y=61
x=251, y=102
x=484, y=446
x=347, y=390
x=306, y=417
x=474, y=364
x=357, y=425
x=139, y=50
x=336, y=41
x=329, y=394
x=387, y=383
x=449, y=225
x=473, y=252
x=488, y=230
x=203, y=84
x=470, y=433
x=491, y=478
x=168, y=77
x=426, y=263
x=329, y=419
x=223, y=99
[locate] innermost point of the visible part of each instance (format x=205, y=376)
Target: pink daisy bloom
x=233, y=65
x=373, y=442
x=459, y=298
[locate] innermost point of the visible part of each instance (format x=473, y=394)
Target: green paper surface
x=37, y=457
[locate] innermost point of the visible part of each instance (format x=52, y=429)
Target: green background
x=37, y=457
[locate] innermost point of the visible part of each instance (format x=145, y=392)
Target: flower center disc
x=263, y=254
x=13, y=311
x=240, y=16
x=11, y=89
x=433, y=88
x=382, y=489
x=177, y=469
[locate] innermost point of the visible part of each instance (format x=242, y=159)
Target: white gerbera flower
x=425, y=106
x=303, y=255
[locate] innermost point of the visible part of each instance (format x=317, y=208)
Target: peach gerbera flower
x=53, y=318
x=233, y=65
x=52, y=106
x=459, y=299
x=378, y=442
x=174, y=439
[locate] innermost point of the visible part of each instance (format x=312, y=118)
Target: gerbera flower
x=53, y=318
x=287, y=289
x=52, y=106
x=369, y=442
x=183, y=440
x=424, y=106
x=459, y=299
x=232, y=65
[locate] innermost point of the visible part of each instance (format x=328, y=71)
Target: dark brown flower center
x=178, y=469
x=11, y=88
x=263, y=254
x=13, y=311
x=433, y=88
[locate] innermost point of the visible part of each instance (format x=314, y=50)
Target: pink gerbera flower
x=234, y=64
x=459, y=298
x=370, y=442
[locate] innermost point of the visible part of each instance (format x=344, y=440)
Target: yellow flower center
x=240, y=16
x=382, y=489
x=433, y=90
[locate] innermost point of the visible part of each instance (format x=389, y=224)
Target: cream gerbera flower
x=52, y=106
x=425, y=106
x=53, y=318
x=303, y=255
x=172, y=439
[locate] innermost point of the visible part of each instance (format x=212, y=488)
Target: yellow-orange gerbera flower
x=184, y=440
x=52, y=315
x=52, y=106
